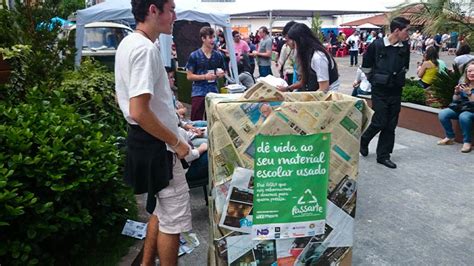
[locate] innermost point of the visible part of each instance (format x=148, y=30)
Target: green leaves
x=443, y=85
x=58, y=180
x=60, y=168
x=413, y=94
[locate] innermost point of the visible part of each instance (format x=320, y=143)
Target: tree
x=440, y=16
x=316, y=23
x=67, y=7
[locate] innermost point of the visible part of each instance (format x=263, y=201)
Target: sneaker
x=466, y=147
x=446, y=141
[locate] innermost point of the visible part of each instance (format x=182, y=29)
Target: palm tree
x=440, y=15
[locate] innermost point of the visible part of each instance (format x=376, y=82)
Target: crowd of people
x=419, y=42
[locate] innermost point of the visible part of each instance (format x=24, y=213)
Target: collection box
x=283, y=176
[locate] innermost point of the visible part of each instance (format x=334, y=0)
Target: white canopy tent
x=368, y=26
x=122, y=10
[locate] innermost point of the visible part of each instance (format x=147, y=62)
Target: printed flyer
x=290, y=185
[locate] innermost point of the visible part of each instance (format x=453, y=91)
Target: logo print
x=308, y=195
x=307, y=204
x=262, y=232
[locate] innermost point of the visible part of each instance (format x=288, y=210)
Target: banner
x=291, y=179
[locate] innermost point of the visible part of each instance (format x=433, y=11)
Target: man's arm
x=195, y=77
x=141, y=113
x=368, y=61
x=268, y=51
x=407, y=58
x=246, y=48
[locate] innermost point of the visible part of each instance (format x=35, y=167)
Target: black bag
x=456, y=106
x=281, y=72
x=380, y=79
x=467, y=107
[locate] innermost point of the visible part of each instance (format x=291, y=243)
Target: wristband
x=176, y=145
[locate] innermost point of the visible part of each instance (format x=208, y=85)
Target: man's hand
x=281, y=88
x=220, y=73
x=199, y=132
x=211, y=76
x=182, y=149
x=202, y=148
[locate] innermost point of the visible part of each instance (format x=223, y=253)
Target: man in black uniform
x=385, y=64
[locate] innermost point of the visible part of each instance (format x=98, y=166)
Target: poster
x=290, y=191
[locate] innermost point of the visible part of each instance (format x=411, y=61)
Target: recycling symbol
x=307, y=198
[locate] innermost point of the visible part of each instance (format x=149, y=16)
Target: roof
x=103, y=24
x=296, y=8
x=368, y=26
x=378, y=20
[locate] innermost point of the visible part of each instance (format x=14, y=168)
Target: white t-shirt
x=319, y=63
x=364, y=83
x=139, y=70
x=355, y=46
x=462, y=59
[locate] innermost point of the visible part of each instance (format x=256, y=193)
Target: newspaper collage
x=234, y=121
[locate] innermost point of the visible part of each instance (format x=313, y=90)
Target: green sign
x=291, y=179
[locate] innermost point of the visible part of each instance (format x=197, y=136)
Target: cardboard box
x=234, y=122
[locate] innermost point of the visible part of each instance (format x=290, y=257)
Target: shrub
x=60, y=184
x=91, y=89
x=412, y=82
x=443, y=86
x=413, y=94
x=61, y=193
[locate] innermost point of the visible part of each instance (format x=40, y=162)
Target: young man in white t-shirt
x=353, y=42
x=154, y=146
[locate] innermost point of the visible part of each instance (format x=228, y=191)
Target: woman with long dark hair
x=428, y=69
x=318, y=68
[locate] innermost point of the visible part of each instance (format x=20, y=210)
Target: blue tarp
x=54, y=22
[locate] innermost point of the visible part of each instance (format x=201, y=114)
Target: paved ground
x=418, y=214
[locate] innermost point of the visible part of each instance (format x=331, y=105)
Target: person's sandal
x=446, y=141
x=466, y=147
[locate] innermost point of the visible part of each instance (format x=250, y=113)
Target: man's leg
x=356, y=58
x=197, y=108
x=264, y=71
x=387, y=135
x=379, y=121
x=174, y=212
x=168, y=249
x=149, y=249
